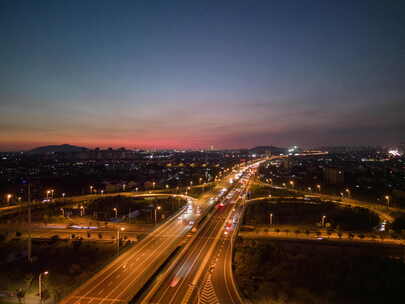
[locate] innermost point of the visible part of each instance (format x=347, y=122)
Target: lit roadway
x=122, y=279
x=202, y=262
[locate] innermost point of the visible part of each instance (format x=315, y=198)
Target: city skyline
x=191, y=75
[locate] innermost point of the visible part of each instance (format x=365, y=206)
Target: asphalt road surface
x=122, y=279
x=185, y=282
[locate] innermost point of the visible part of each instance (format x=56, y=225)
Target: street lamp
x=341, y=194
x=102, y=191
x=81, y=210
x=153, y=184
x=271, y=219
x=63, y=194
x=40, y=284
x=47, y=194
x=116, y=212
x=323, y=220
x=63, y=212
x=319, y=188
x=309, y=189
x=91, y=189
x=387, y=198
x=292, y=184
x=118, y=239
x=156, y=208
x=123, y=187
x=191, y=183
x=348, y=192
x=136, y=189
x=9, y=196
x=284, y=185
x=167, y=186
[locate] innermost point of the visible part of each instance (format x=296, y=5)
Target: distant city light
x=394, y=152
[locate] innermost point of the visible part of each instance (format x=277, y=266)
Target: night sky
x=191, y=74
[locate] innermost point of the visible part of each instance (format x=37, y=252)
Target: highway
x=185, y=281
x=122, y=279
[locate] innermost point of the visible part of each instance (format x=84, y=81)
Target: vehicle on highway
x=175, y=280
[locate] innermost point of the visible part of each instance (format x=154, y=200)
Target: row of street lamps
x=318, y=186
x=323, y=219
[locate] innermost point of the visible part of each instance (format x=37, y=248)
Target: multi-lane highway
x=189, y=278
x=218, y=285
x=122, y=279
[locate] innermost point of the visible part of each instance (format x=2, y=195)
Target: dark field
x=276, y=272
x=69, y=262
x=309, y=214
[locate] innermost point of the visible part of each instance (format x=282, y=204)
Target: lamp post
x=91, y=189
x=8, y=197
x=323, y=220
x=153, y=184
x=124, y=187
x=271, y=219
x=47, y=194
x=118, y=239
x=156, y=208
x=81, y=210
x=40, y=284
x=101, y=191
x=116, y=212
x=63, y=212
x=319, y=188
x=387, y=198
x=63, y=194
x=348, y=192
x=309, y=189
x=292, y=184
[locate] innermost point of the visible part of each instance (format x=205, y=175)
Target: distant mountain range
x=56, y=148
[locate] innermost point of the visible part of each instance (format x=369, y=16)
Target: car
x=175, y=280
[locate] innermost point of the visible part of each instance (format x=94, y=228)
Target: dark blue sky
x=198, y=73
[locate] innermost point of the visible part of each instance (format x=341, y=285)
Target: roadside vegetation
x=308, y=215
x=261, y=190
x=68, y=262
x=271, y=272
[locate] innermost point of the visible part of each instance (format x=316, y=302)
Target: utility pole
x=29, y=223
